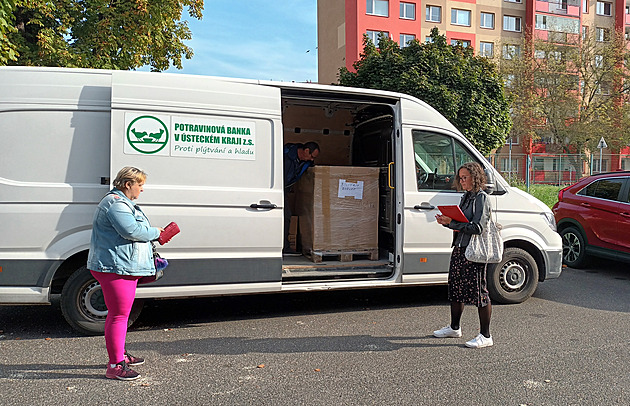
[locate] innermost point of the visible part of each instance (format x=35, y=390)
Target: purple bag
x=160, y=264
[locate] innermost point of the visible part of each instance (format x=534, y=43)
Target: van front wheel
x=83, y=304
x=515, y=278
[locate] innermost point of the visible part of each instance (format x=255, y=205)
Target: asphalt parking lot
x=567, y=345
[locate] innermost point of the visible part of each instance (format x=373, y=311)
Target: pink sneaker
x=131, y=360
x=121, y=371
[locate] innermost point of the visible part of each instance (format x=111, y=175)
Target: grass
x=547, y=194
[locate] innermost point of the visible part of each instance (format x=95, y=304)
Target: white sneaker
x=480, y=341
x=448, y=332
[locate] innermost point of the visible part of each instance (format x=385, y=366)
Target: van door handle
x=263, y=206
x=625, y=214
x=424, y=206
x=585, y=204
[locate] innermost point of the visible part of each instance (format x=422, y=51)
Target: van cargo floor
x=295, y=269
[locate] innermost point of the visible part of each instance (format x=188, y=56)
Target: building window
x=514, y=1
x=487, y=20
x=602, y=34
x=407, y=11
x=377, y=7
x=510, y=51
x=603, y=8
x=509, y=80
x=405, y=38
x=373, y=35
x=599, y=61
x=585, y=6
x=486, y=49
x=509, y=167
x=434, y=14
x=584, y=32
x=541, y=22
x=460, y=17
x=511, y=23
x=428, y=40
x=465, y=43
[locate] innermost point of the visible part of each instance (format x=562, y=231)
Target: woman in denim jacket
x=121, y=253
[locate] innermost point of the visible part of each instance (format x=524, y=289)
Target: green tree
x=108, y=34
x=570, y=91
x=7, y=49
x=466, y=89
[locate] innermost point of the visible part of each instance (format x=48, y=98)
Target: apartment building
x=491, y=27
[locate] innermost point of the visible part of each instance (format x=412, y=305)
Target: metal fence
x=555, y=169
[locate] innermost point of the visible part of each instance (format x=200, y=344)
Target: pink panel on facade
x=542, y=6
x=454, y=35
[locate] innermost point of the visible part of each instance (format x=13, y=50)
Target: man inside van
x=297, y=159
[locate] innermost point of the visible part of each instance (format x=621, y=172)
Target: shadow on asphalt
x=25, y=322
x=50, y=371
x=284, y=345
x=166, y=313
x=604, y=285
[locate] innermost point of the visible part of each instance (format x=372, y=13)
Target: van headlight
x=550, y=219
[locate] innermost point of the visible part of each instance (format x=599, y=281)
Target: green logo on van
x=147, y=134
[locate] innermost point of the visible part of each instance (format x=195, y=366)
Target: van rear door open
x=206, y=146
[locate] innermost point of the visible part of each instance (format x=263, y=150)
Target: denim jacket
x=478, y=217
x=121, y=238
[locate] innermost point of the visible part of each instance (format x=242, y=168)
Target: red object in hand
x=170, y=230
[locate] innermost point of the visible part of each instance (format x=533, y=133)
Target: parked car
x=593, y=218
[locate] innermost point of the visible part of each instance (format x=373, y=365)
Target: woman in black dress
x=467, y=280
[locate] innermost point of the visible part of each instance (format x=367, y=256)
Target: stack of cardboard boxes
x=338, y=209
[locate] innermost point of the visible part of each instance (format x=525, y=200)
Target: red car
x=593, y=218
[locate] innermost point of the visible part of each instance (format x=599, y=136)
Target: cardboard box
x=338, y=208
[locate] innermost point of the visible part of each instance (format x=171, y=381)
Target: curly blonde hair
x=477, y=174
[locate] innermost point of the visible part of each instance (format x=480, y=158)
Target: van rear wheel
x=515, y=278
x=83, y=304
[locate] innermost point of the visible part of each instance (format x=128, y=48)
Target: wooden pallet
x=318, y=256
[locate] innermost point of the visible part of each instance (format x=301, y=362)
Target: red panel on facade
x=353, y=39
x=393, y=25
x=454, y=35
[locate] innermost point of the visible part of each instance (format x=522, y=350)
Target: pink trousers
x=119, y=292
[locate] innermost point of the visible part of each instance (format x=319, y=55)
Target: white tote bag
x=486, y=247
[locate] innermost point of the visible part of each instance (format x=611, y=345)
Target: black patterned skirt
x=467, y=280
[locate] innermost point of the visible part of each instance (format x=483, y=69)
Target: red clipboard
x=454, y=212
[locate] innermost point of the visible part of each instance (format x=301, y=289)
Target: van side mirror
x=492, y=187
x=490, y=183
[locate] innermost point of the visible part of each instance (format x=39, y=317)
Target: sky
x=254, y=39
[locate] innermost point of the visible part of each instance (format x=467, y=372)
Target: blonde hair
x=129, y=174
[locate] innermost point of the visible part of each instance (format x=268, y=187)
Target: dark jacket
x=476, y=222
x=293, y=167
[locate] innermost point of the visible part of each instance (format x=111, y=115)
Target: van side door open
x=206, y=145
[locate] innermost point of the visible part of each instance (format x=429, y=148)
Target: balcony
x=562, y=7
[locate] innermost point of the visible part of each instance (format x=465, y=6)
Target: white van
x=213, y=150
